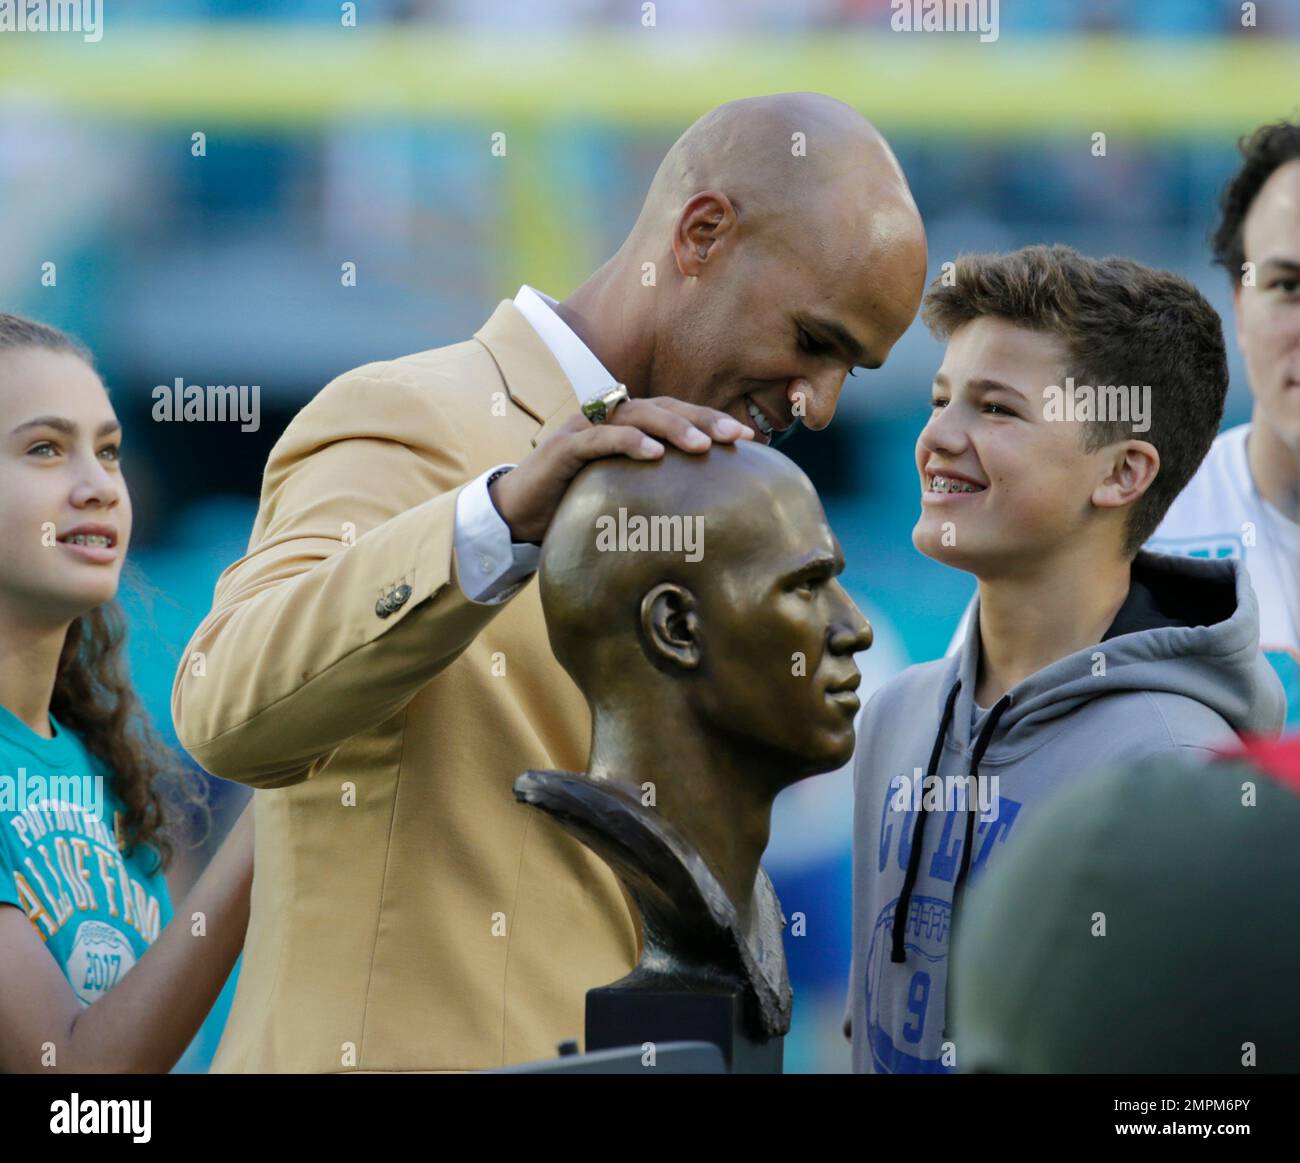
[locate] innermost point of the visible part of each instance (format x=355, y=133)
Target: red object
x=1279, y=758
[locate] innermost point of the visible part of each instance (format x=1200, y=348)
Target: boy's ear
x=1133, y=466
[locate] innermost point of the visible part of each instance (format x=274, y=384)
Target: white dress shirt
x=490, y=566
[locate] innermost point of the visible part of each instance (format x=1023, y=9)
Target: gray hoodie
x=1178, y=671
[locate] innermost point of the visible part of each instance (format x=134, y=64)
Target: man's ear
x=1133, y=466
x=669, y=627
x=704, y=221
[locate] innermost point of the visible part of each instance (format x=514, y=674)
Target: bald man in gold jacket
x=377, y=664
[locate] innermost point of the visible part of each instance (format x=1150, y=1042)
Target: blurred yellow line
x=309, y=75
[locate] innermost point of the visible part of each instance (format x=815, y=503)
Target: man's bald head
x=778, y=248
x=774, y=156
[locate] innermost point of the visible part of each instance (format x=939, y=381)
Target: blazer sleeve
x=297, y=654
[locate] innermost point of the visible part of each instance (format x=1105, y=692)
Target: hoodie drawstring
x=981, y=746
x=918, y=833
x=959, y=885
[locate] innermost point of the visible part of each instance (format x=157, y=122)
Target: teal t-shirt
x=96, y=910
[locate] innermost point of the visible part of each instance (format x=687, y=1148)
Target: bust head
x=694, y=601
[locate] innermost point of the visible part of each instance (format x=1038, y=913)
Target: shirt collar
x=585, y=372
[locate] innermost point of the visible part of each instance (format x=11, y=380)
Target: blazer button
x=393, y=600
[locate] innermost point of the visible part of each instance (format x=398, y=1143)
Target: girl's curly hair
x=93, y=695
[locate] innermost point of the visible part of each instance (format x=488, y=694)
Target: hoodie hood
x=1190, y=627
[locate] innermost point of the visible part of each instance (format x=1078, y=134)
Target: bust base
x=620, y=1017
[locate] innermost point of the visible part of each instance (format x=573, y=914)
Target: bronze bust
x=694, y=602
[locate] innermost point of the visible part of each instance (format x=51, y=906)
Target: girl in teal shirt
x=95, y=974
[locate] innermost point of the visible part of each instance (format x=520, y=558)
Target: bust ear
x=668, y=626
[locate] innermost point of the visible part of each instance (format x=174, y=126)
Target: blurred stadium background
x=329, y=144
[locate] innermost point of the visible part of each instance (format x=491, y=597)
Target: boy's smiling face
x=1015, y=486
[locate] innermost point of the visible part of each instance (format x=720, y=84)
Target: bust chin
x=693, y=939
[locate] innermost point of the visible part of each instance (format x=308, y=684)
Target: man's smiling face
x=1002, y=486
x=771, y=326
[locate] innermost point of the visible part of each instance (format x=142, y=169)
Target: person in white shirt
x=1245, y=500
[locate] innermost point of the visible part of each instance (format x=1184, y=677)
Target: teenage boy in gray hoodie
x=1076, y=399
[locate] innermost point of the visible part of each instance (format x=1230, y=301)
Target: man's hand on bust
x=528, y=496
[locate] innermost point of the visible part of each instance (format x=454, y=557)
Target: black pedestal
x=620, y=1017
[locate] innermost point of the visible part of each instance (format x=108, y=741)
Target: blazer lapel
x=557, y=418
x=534, y=380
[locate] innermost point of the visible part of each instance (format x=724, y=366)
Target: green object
x=1146, y=921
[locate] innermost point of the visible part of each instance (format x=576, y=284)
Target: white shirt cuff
x=491, y=567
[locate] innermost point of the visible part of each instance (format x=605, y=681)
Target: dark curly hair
x=1262, y=152
x=93, y=695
